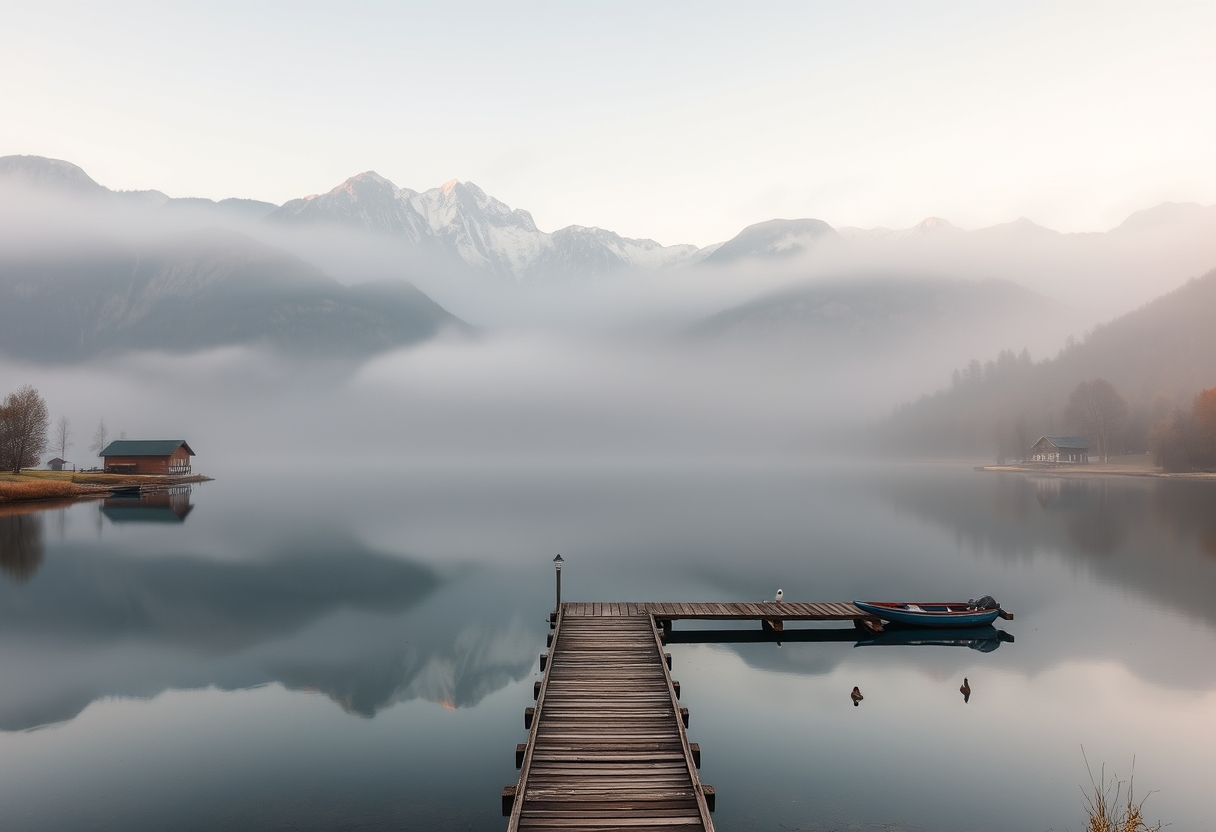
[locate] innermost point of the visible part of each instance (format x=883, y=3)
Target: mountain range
x=198, y=273
x=460, y=229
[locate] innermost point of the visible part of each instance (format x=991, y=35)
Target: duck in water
x=965, y=690
x=856, y=696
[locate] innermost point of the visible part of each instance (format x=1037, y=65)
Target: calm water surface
x=273, y=652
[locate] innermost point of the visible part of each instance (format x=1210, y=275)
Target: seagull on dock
x=856, y=696
x=780, y=595
x=965, y=690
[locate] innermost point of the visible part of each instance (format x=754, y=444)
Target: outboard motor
x=985, y=603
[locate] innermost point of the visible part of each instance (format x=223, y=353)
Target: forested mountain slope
x=206, y=289
x=1158, y=357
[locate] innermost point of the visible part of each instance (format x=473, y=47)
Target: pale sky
x=681, y=122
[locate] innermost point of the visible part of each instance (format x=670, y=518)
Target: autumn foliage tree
x=1187, y=440
x=24, y=421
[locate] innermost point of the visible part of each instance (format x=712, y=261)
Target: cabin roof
x=144, y=447
x=1072, y=442
x=56, y=459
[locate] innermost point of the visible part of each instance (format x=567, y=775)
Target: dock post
x=557, y=567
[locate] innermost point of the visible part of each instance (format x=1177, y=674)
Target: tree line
x=1155, y=357
x=1095, y=410
x=1184, y=440
x=26, y=434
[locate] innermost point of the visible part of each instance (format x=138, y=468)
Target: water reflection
x=983, y=639
x=303, y=599
x=171, y=505
x=1151, y=536
x=327, y=616
x=1188, y=510
x=21, y=547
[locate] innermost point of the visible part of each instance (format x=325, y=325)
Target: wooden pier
x=607, y=744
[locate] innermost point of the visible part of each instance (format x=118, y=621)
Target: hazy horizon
x=874, y=116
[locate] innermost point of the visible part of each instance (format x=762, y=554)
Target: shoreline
x=73, y=486
x=1098, y=470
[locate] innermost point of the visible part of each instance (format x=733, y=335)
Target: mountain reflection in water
x=332, y=617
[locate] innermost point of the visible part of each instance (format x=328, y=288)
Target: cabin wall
x=1059, y=456
x=179, y=462
x=137, y=464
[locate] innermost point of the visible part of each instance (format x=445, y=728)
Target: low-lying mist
x=491, y=395
x=498, y=396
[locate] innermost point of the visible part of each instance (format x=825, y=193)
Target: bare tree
x=1098, y=411
x=63, y=437
x=99, y=438
x=24, y=421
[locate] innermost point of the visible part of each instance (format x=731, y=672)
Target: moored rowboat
x=934, y=614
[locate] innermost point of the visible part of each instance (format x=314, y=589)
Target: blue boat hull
x=920, y=618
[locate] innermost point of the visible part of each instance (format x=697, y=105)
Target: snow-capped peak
x=485, y=233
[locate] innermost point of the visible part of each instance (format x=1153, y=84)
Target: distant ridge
x=866, y=312
x=56, y=177
x=202, y=290
x=773, y=239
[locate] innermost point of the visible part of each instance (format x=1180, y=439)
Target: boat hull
x=923, y=615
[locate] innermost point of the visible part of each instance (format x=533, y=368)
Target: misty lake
x=354, y=650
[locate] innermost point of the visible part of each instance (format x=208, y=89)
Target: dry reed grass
x=37, y=489
x=84, y=477
x=1109, y=810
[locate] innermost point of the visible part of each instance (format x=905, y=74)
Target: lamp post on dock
x=557, y=566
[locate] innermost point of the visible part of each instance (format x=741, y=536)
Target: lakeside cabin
x=56, y=464
x=1060, y=450
x=147, y=456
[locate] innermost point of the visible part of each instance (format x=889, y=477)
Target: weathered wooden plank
x=806, y=611
x=607, y=748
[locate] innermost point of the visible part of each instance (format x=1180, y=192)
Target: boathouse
x=147, y=456
x=56, y=464
x=1060, y=450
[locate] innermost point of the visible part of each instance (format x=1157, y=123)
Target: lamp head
x=557, y=563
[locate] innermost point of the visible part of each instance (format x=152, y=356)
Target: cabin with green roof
x=147, y=456
x=1061, y=450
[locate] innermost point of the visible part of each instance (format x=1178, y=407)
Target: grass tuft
x=1109, y=810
